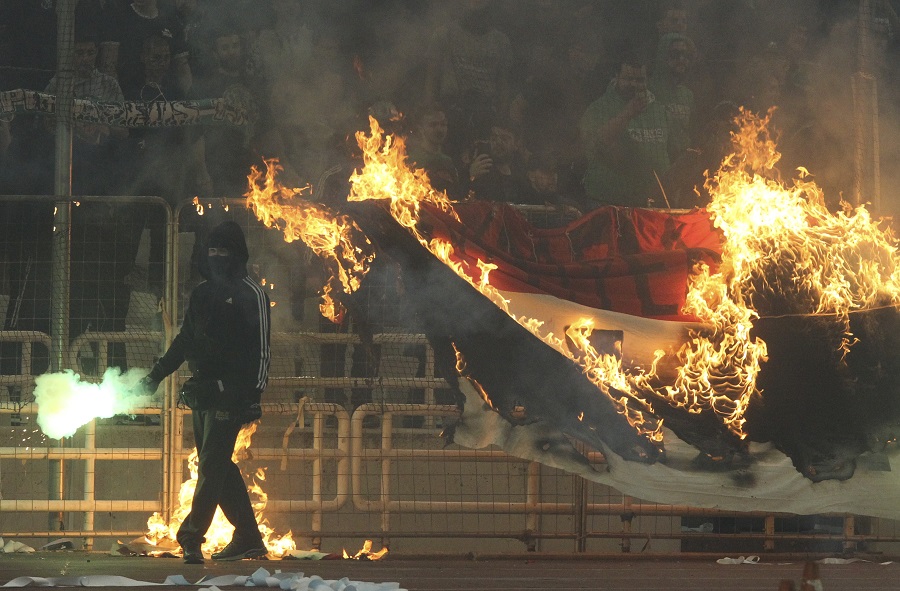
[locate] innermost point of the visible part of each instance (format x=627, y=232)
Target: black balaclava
x=228, y=235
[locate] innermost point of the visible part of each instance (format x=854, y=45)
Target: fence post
x=865, y=110
x=59, y=302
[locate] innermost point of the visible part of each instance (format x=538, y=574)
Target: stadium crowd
x=567, y=103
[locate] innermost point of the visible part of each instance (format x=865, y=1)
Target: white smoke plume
x=65, y=403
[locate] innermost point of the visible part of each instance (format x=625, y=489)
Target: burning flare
x=65, y=403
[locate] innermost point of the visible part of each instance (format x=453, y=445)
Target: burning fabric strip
x=742, y=357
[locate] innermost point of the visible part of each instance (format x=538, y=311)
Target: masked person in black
x=225, y=340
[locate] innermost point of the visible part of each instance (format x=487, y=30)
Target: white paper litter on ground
x=12, y=546
x=850, y=561
x=739, y=560
x=260, y=578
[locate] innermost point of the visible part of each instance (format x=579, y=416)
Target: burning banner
x=741, y=357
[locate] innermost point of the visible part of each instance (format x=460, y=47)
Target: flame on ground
x=220, y=532
x=163, y=533
x=365, y=553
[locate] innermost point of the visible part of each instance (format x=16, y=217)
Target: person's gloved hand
x=148, y=385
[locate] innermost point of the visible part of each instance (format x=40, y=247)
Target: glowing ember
x=335, y=238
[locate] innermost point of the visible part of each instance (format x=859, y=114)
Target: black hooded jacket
x=225, y=334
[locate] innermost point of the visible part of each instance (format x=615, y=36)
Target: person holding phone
x=496, y=167
x=625, y=135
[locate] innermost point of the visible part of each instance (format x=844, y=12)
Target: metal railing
x=357, y=461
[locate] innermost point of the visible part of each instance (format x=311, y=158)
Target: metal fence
x=350, y=442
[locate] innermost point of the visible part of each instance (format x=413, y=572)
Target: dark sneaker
x=192, y=554
x=238, y=550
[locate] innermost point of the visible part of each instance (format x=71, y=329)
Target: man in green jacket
x=625, y=135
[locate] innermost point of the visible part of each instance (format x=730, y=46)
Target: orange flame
x=220, y=532
x=335, y=238
x=365, y=553
x=780, y=241
x=386, y=176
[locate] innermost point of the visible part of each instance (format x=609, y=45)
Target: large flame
x=785, y=253
x=220, y=532
x=386, y=176
x=335, y=238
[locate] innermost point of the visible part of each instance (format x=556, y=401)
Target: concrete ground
x=446, y=574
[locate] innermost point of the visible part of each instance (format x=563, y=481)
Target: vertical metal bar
x=429, y=391
x=387, y=434
x=875, y=179
x=62, y=187
x=169, y=425
x=865, y=114
x=769, y=525
x=627, y=519
x=532, y=504
x=90, y=443
x=318, y=445
x=849, y=532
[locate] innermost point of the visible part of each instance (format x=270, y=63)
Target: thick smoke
x=65, y=403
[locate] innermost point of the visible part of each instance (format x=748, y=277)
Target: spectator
x=674, y=54
x=99, y=261
x=426, y=149
x=673, y=19
x=556, y=92
x=496, y=167
x=555, y=96
x=322, y=78
x=131, y=25
x=193, y=18
x=101, y=233
x=625, y=137
x=468, y=72
x=542, y=182
x=157, y=157
x=226, y=153
x=684, y=182
x=94, y=146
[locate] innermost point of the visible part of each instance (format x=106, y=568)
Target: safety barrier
x=349, y=449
